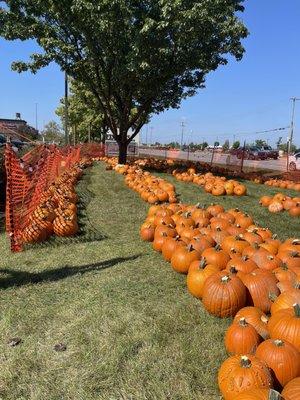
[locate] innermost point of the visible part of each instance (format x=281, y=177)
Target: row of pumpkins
x=165, y=165
x=216, y=185
x=56, y=212
x=239, y=270
x=283, y=184
x=281, y=202
x=152, y=189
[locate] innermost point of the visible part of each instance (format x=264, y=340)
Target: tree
x=137, y=55
x=226, y=145
x=52, y=132
x=216, y=144
x=84, y=114
x=260, y=143
x=236, y=144
x=204, y=145
x=284, y=147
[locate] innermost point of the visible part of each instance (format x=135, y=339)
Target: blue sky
x=242, y=97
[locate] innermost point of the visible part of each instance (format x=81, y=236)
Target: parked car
x=270, y=153
x=294, y=161
x=251, y=153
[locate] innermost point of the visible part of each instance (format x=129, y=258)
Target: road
x=218, y=158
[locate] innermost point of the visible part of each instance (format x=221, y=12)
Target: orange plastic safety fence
x=30, y=176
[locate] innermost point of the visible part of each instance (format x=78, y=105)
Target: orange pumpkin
x=282, y=358
x=223, y=295
x=241, y=338
x=240, y=373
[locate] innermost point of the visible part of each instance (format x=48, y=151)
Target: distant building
x=17, y=129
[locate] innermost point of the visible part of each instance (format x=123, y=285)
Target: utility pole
x=294, y=99
x=151, y=131
x=147, y=130
x=182, y=124
x=36, y=116
x=66, y=110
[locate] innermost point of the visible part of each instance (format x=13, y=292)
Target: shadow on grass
x=20, y=278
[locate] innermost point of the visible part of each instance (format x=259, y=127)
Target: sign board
x=112, y=148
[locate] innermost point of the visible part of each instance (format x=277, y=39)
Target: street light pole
x=182, y=132
x=294, y=99
x=66, y=110
x=36, y=116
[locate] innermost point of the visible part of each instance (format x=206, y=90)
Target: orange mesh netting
x=30, y=176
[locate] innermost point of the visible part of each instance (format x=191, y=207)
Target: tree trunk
x=122, y=152
x=103, y=136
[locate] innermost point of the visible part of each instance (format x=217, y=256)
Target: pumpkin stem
x=295, y=254
x=273, y=395
x=297, y=310
x=245, y=362
x=284, y=266
x=264, y=319
x=203, y=263
x=218, y=247
x=272, y=296
x=190, y=248
x=243, y=322
x=233, y=270
x=296, y=241
x=225, y=279
x=278, y=343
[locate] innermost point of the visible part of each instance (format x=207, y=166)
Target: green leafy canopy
x=146, y=55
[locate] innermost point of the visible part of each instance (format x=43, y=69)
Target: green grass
x=131, y=329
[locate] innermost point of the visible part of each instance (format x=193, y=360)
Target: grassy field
x=130, y=328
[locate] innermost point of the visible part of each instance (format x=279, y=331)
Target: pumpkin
x=240, y=373
x=292, y=390
x=240, y=190
x=147, y=233
x=282, y=358
x=198, y=272
x=259, y=394
x=286, y=300
x=244, y=220
x=158, y=241
x=241, y=338
x=255, y=317
x=291, y=259
x=169, y=246
x=215, y=255
x=275, y=206
x=223, y=295
x=265, y=201
x=65, y=226
x=33, y=233
x=243, y=264
x=200, y=243
x=234, y=245
x=183, y=257
x=260, y=284
x=215, y=209
x=285, y=325
x=283, y=273
x=295, y=211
